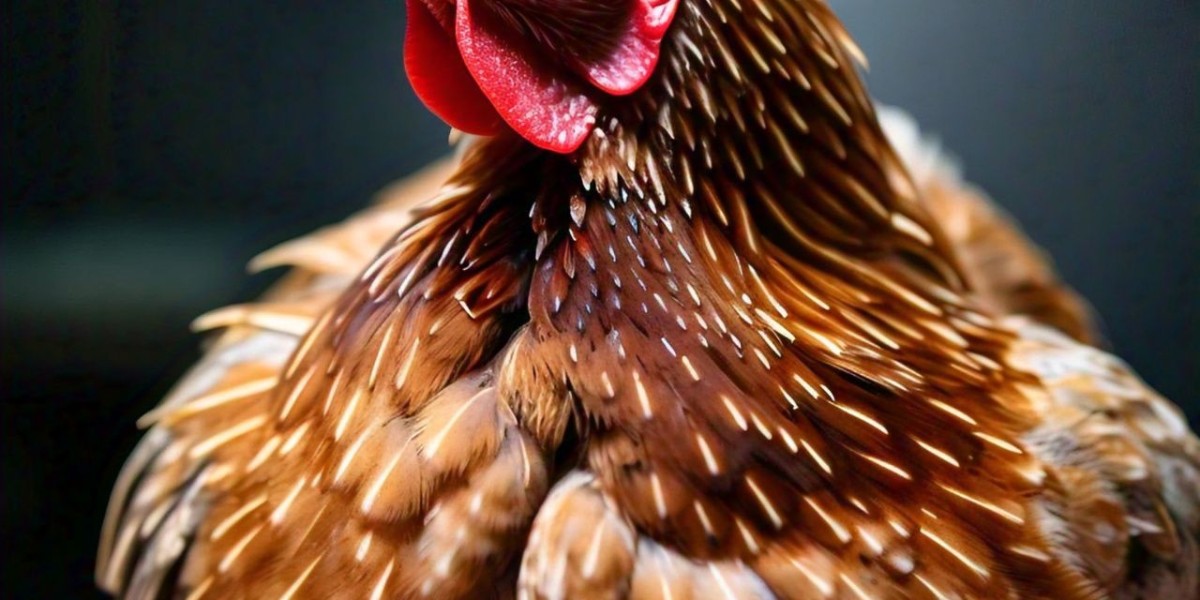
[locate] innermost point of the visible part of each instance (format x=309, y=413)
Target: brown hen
x=724, y=347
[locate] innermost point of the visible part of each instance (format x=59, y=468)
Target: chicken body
x=727, y=349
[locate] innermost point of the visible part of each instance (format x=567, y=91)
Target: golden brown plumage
x=728, y=348
x=1006, y=272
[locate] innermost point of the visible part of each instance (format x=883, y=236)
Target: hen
x=679, y=323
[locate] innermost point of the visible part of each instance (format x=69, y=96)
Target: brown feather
x=725, y=350
x=1006, y=271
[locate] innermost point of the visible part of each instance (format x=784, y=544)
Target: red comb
x=635, y=55
x=532, y=96
x=487, y=71
x=439, y=77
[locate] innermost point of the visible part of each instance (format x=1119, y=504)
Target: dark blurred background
x=152, y=149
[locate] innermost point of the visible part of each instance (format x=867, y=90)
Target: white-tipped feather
x=921, y=152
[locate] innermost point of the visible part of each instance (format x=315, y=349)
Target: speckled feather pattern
x=728, y=349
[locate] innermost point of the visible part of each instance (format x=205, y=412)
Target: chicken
x=677, y=323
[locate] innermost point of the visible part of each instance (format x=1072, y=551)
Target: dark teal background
x=152, y=148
